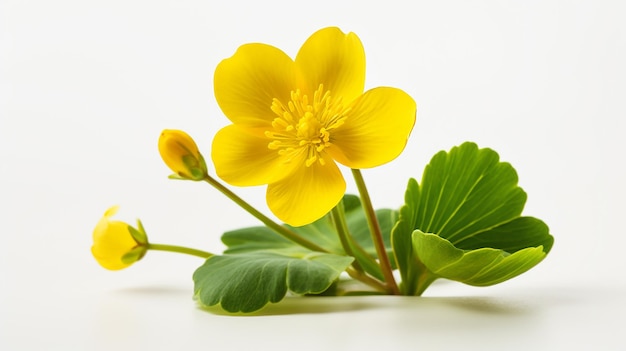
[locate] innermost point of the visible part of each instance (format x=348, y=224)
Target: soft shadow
x=301, y=305
x=484, y=305
x=477, y=305
x=328, y=304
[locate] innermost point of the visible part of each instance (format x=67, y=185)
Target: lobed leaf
x=321, y=232
x=467, y=191
x=249, y=281
x=470, y=199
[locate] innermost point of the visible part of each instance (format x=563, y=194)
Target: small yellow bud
x=180, y=153
x=117, y=245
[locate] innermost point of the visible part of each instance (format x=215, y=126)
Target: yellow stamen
x=305, y=126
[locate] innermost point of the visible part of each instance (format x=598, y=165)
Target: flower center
x=304, y=126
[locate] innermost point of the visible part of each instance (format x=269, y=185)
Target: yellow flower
x=292, y=119
x=180, y=153
x=117, y=245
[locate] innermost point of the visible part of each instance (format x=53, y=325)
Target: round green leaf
x=247, y=282
x=321, y=232
x=471, y=200
x=467, y=191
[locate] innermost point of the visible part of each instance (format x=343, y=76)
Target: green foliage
x=463, y=222
x=401, y=237
x=470, y=201
x=260, y=266
x=479, y=267
x=247, y=282
x=323, y=233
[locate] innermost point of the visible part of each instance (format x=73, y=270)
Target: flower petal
x=334, y=59
x=246, y=83
x=111, y=241
x=111, y=263
x=241, y=157
x=307, y=194
x=111, y=211
x=376, y=130
x=180, y=153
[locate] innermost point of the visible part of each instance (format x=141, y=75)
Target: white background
x=87, y=86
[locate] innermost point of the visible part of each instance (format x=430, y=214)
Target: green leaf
x=321, y=232
x=401, y=238
x=252, y=239
x=247, y=282
x=480, y=267
x=471, y=199
x=518, y=234
x=467, y=191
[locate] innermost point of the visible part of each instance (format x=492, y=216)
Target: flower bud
x=117, y=245
x=180, y=153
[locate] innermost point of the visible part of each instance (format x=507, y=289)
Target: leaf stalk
x=280, y=229
x=179, y=249
x=377, y=237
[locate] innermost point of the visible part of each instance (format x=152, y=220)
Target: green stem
x=179, y=249
x=423, y=281
x=282, y=230
x=339, y=220
x=364, y=278
x=377, y=236
x=365, y=262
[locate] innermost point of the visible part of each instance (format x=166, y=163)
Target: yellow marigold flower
x=117, y=245
x=292, y=119
x=180, y=153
